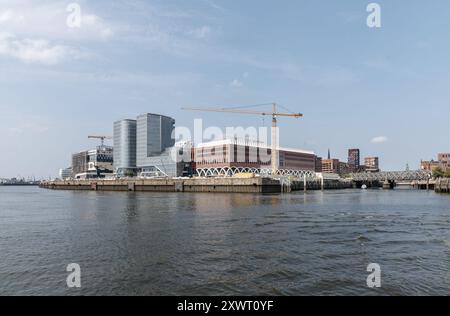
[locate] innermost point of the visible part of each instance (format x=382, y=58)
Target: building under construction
x=96, y=163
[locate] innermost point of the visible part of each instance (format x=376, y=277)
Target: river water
x=319, y=243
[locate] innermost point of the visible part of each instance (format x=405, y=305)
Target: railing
x=232, y=171
x=392, y=176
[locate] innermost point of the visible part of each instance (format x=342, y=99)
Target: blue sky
x=353, y=83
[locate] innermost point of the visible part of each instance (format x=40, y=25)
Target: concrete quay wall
x=213, y=185
x=442, y=186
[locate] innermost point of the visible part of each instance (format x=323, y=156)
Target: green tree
x=438, y=173
x=447, y=173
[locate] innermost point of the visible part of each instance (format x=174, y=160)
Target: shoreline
x=204, y=185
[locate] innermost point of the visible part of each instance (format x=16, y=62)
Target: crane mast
x=275, y=114
x=274, y=150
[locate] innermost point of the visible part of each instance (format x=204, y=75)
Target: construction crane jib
x=102, y=139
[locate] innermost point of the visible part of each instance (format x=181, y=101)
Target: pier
x=208, y=185
x=442, y=186
x=205, y=185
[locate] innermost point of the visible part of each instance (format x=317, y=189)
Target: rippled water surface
x=317, y=243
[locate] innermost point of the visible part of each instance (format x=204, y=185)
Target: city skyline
x=372, y=89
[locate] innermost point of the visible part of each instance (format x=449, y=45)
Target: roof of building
x=251, y=144
x=154, y=114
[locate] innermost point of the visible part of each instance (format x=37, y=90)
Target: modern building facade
x=125, y=148
x=156, y=153
x=354, y=160
x=80, y=163
x=154, y=136
x=65, y=173
x=96, y=163
x=372, y=164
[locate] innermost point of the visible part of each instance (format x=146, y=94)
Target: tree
x=438, y=172
x=447, y=173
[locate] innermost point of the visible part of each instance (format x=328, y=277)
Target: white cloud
x=29, y=129
x=214, y=5
x=34, y=50
x=379, y=140
x=201, y=33
x=34, y=19
x=37, y=32
x=236, y=83
x=23, y=128
x=6, y=16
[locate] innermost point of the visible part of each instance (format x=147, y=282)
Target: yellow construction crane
x=102, y=139
x=275, y=114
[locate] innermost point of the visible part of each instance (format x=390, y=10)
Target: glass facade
x=154, y=143
x=125, y=147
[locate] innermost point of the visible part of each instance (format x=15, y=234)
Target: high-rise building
x=354, y=159
x=154, y=136
x=372, y=164
x=155, y=147
x=125, y=147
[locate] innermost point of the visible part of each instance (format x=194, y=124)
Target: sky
x=384, y=90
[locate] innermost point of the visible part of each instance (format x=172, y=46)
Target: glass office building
x=125, y=148
x=154, y=136
x=154, y=140
x=156, y=152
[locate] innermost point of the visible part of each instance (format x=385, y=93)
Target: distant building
x=318, y=167
x=65, y=173
x=443, y=163
x=372, y=164
x=345, y=168
x=80, y=163
x=330, y=166
x=444, y=159
x=430, y=165
x=96, y=163
x=354, y=160
x=125, y=148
